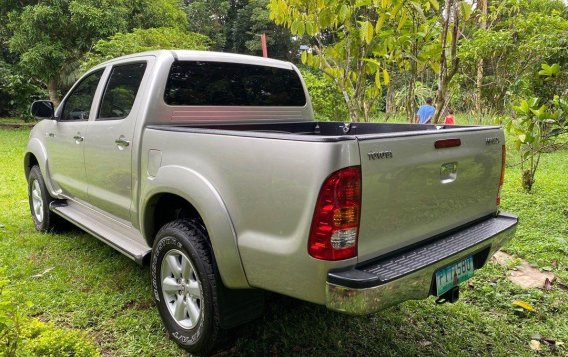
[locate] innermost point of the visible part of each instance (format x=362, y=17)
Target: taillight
x=502, y=179
x=335, y=225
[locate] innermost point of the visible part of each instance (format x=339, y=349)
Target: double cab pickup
x=210, y=168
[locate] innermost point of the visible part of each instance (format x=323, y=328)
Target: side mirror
x=43, y=109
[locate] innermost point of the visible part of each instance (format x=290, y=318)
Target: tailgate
x=413, y=191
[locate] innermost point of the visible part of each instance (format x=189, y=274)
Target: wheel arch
x=36, y=154
x=178, y=192
x=30, y=161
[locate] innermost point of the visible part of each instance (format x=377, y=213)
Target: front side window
x=120, y=92
x=78, y=103
x=232, y=84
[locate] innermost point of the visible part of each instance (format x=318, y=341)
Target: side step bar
x=125, y=239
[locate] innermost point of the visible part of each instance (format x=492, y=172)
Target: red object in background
x=449, y=120
x=263, y=45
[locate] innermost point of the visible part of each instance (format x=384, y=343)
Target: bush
x=22, y=336
x=17, y=91
x=41, y=339
x=327, y=101
x=141, y=40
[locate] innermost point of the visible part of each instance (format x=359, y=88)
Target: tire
x=190, y=309
x=39, y=200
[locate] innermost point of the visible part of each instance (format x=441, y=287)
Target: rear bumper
x=374, y=286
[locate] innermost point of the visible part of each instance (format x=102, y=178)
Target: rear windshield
x=235, y=84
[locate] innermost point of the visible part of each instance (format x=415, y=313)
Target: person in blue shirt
x=425, y=112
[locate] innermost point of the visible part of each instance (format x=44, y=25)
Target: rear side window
x=232, y=84
x=120, y=92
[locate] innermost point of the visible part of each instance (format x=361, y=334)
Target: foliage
x=16, y=91
x=250, y=21
x=420, y=92
x=236, y=26
x=327, y=101
x=454, y=12
x=211, y=18
x=520, y=35
x=22, y=336
x=351, y=45
x=417, y=44
x=537, y=126
x=41, y=339
x=51, y=37
x=141, y=40
x=10, y=318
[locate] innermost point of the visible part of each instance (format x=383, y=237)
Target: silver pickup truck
x=210, y=168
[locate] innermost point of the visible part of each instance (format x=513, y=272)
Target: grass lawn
x=95, y=289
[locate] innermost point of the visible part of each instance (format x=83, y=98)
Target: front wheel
x=184, y=283
x=39, y=199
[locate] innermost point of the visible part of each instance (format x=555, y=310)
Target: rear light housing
x=335, y=224
x=502, y=179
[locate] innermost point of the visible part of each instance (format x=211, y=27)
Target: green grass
x=95, y=289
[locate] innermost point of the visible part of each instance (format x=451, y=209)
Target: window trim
x=165, y=102
x=72, y=91
x=98, y=118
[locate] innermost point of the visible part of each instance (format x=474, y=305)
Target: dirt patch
x=524, y=275
x=16, y=126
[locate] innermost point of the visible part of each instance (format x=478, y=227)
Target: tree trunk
x=482, y=5
x=53, y=94
x=447, y=72
x=410, y=112
x=410, y=100
x=389, y=110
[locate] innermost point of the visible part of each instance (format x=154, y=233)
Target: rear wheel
x=39, y=199
x=184, y=282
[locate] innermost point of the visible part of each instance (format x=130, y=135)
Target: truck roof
x=210, y=56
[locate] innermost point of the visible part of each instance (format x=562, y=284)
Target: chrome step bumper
x=376, y=285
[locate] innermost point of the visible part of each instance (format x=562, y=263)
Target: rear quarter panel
x=269, y=188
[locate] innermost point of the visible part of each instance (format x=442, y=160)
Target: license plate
x=454, y=274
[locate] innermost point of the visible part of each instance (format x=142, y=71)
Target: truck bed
x=269, y=176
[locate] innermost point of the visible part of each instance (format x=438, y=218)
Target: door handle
x=78, y=138
x=51, y=135
x=122, y=141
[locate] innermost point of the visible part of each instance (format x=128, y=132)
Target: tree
x=415, y=49
x=51, y=37
x=537, y=125
x=252, y=20
x=141, y=40
x=210, y=18
x=16, y=90
x=327, y=101
x=348, y=45
x=519, y=35
x=450, y=20
x=482, y=19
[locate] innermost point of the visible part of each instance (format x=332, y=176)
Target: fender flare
x=199, y=192
x=36, y=148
